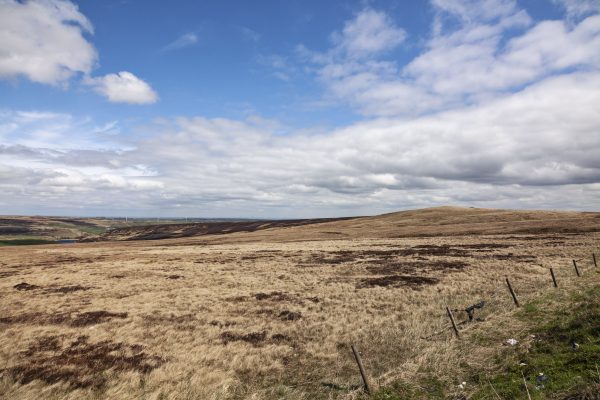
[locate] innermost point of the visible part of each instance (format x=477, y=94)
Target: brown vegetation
x=269, y=314
x=79, y=364
x=171, y=231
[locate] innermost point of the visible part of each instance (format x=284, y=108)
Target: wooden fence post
x=576, y=269
x=361, y=368
x=512, y=293
x=525, y=383
x=553, y=277
x=453, y=322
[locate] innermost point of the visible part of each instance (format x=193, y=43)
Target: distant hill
x=32, y=229
x=438, y=221
x=171, y=231
x=443, y=221
x=21, y=230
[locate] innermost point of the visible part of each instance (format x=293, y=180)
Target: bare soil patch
x=77, y=320
x=273, y=296
x=26, y=286
x=410, y=281
x=287, y=315
x=407, y=267
x=515, y=257
x=434, y=250
x=95, y=317
x=68, y=289
x=483, y=246
x=81, y=364
x=254, y=338
x=349, y=256
x=278, y=338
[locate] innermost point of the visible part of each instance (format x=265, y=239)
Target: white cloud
x=49, y=130
x=185, y=40
x=461, y=66
x=534, y=148
x=579, y=8
x=370, y=32
x=44, y=41
x=124, y=87
x=477, y=50
x=477, y=10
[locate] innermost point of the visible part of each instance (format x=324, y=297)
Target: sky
x=297, y=108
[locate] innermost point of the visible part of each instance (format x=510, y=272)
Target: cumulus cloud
x=124, y=87
x=44, y=41
x=477, y=49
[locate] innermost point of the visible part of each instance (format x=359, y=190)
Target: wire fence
x=519, y=291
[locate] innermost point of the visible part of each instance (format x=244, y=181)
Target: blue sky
x=297, y=108
x=226, y=70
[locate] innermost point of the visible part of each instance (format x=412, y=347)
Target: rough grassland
x=557, y=354
x=271, y=314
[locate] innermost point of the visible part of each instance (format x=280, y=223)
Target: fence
x=455, y=326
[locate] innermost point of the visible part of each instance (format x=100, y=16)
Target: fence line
x=455, y=326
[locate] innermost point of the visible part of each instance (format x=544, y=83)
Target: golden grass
x=253, y=315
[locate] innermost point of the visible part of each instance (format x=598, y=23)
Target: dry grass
x=257, y=315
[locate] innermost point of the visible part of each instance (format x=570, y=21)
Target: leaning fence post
x=594, y=257
x=576, y=269
x=453, y=322
x=553, y=277
x=512, y=293
x=361, y=368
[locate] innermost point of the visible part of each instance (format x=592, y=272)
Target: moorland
x=269, y=311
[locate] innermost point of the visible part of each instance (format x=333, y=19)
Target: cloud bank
x=537, y=148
